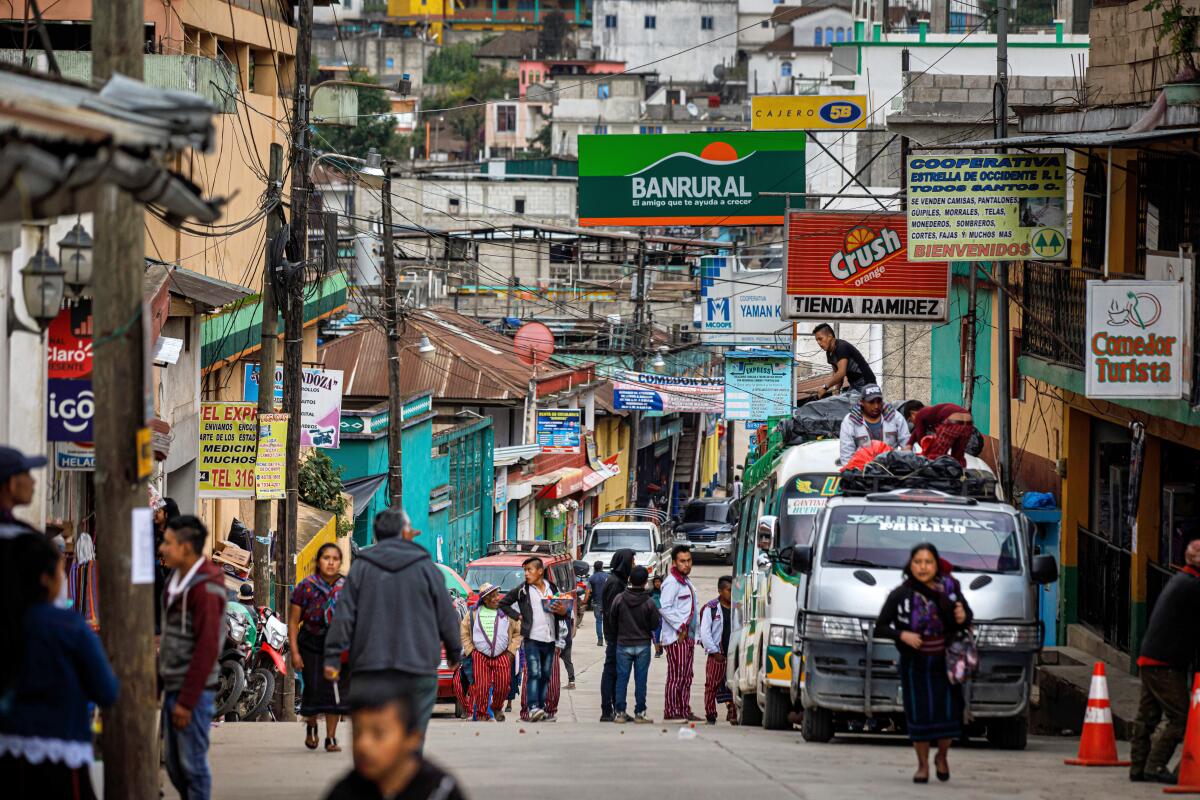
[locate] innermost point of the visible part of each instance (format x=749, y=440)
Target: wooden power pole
x=266, y=378
x=293, y=332
x=391, y=312
x=641, y=339
x=129, y=737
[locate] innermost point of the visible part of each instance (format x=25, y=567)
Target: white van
x=641, y=530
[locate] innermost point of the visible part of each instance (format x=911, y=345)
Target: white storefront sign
x=740, y=308
x=1135, y=339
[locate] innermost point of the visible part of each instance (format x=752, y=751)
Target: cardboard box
x=231, y=554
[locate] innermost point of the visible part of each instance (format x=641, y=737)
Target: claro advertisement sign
x=688, y=178
x=852, y=265
x=965, y=207
x=1135, y=342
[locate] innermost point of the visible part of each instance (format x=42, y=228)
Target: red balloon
x=533, y=343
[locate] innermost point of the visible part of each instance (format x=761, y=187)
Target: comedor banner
x=971, y=207
x=688, y=178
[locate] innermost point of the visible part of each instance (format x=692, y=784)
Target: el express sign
x=853, y=265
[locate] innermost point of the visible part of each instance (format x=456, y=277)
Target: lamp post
x=75, y=255
x=42, y=284
x=371, y=172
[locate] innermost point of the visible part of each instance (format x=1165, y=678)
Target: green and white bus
x=783, y=491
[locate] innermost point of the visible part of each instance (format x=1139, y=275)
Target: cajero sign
x=1135, y=345
x=688, y=178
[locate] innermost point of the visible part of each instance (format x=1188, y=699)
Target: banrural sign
x=688, y=178
x=1135, y=344
x=987, y=207
x=852, y=265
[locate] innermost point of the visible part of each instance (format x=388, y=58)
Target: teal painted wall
x=416, y=444
x=360, y=458
x=946, y=345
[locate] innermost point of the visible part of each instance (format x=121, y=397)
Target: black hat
x=14, y=462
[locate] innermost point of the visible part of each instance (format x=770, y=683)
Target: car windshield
x=972, y=540
x=612, y=539
x=504, y=577
x=803, y=498
x=707, y=512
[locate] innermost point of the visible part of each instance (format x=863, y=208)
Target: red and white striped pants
x=552, y=691
x=715, y=689
x=492, y=676
x=678, y=694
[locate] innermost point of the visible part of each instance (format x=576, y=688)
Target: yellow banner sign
x=808, y=112
x=228, y=449
x=987, y=207
x=271, y=466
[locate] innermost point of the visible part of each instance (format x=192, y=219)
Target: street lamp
x=659, y=362
x=371, y=173
x=75, y=255
x=402, y=87
x=42, y=282
x=425, y=347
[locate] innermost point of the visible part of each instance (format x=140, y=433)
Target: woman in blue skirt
x=922, y=615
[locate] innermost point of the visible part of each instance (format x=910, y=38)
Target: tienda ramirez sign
x=852, y=265
x=688, y=178
x=1135, y=344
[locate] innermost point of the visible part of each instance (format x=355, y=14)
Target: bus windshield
x=803, y=497
x=882, y=536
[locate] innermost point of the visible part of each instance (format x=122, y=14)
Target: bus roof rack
x=975, y=484
x=657, y=516
x=534, y=547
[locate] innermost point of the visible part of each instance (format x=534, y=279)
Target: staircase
x=685, y=468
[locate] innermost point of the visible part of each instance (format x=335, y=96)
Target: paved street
x=579, y=757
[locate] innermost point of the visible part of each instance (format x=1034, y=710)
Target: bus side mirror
x=1044, y=569
x=802, y=559
x=784, y=558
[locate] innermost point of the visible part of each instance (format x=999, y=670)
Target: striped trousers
x=552, y=691
x=678, y=694
x=716, y=690
x=492, y=677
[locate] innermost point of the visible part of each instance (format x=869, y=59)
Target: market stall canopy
x=63, y=141
x=362, y=490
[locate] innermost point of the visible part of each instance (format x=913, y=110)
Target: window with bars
x=1095, y=213
x=1168, y=209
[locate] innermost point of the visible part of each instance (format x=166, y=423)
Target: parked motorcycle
x=265, y=664
x=241, y=631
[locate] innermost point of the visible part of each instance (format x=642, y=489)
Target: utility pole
x=293, y=334
x=266, y=377
x=391, y=313
x=639, y=360
x=1004, y=375
x=119, y=380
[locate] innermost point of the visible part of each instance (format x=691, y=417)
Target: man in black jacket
x=635, y=618
x=618, y=573
x=390, y=656
x=1168, y=652
x=540, y=630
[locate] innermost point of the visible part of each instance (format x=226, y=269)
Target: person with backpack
x=715, y=628
x=634, y=620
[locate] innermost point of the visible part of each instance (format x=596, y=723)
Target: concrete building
x=634, y=31
x=754, y=24
x=385, y=49
x=553, y=72
x=510, y=126
x=799, y=59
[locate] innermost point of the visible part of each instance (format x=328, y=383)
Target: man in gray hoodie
x=394, y=615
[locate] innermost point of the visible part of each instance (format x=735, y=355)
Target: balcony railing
x=1055, y=300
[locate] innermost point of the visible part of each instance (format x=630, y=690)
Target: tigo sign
x=1135, y=344
x=852, y=265
x=688, y=178
x=70, y=411
x=808, y=112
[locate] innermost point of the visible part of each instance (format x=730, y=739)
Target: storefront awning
x=507, y=456
x=572, y=480
x=362, y=490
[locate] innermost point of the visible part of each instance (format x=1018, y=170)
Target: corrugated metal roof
x=209, y=293
x=507, y=456
x=470, y=362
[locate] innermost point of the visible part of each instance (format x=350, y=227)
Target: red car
x=459, y=593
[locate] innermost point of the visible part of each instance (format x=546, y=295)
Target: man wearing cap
x=16, y=489
x=871, y=421
x=491, y=641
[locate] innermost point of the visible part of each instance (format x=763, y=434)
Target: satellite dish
x=533, y=343
x=693, y=110
x=719, y=72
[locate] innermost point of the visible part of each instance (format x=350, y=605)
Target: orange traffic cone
x=1098, y=744
x=1189, y=766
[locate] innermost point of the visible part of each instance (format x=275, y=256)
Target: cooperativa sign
x=1134, y=346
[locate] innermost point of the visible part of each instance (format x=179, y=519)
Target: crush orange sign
x=853, y=265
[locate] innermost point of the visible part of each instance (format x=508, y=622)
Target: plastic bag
x=818, y=419
x=865, y=455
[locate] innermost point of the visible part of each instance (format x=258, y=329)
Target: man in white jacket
x=714, y=638
x=680, y=615
x=871, y=421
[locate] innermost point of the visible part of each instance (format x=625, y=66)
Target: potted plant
x=1179, y=27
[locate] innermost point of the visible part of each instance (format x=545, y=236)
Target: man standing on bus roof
x=871, y=421
x=848, y=364
x=942, y=429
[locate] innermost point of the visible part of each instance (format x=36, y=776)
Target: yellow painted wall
x=612, y=436
x=420, y=8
